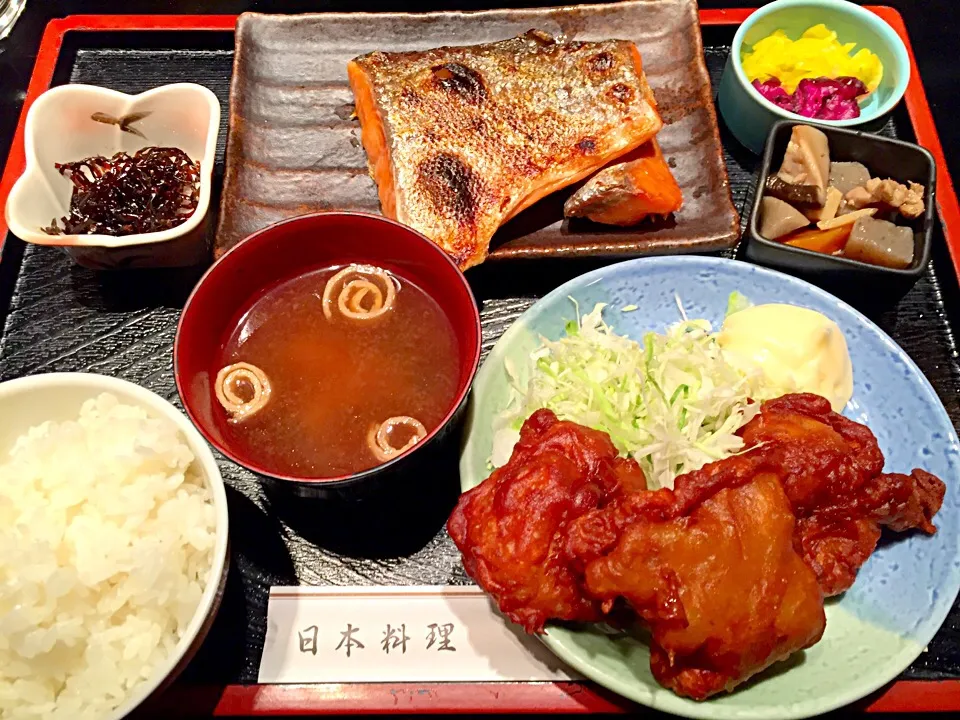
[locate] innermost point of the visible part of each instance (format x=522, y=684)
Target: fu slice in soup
x=336, y=371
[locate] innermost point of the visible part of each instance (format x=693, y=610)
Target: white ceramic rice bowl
x=30, y=401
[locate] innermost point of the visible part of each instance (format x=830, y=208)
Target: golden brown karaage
x=831, y=469
x=512, y=527
x=728, y=570
x=721, y=588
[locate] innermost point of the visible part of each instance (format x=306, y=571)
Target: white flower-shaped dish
x=60, y=129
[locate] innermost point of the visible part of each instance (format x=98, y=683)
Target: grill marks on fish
x=599, y=64
x=621, y=93
x=461, y=139
x=587, y=145
x=462, y=81
x=452, y=187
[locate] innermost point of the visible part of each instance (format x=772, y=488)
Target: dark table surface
x=932, y=25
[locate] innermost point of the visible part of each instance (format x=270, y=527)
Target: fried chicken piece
x=720, y=586
x=728, y=569
x=831, y=469
x=687, y=559
x=511, y=528
x=597, y=533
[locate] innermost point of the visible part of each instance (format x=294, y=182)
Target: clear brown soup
x=333, y=379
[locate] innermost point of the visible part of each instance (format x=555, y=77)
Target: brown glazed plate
x=294, y=147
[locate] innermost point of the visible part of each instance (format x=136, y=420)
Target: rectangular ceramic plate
x=293, y=147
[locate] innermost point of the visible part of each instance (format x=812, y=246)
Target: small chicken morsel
x=908, y=199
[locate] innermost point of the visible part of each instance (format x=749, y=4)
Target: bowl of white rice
x=113, y=545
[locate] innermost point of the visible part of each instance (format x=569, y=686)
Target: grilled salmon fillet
x=627, y=192
x=461, y=139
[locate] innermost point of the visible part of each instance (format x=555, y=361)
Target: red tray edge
x=266, y=700
x=362, y=698
x=488, y=698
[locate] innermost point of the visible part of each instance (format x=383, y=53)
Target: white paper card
x=397, y=634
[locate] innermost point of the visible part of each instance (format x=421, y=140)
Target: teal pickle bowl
x=749, y=116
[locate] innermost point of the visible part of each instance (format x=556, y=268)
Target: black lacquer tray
x=57, y=316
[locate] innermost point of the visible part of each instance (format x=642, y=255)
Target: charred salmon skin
x=461, y=139
x=627, y=192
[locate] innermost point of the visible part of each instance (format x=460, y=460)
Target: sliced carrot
x=822, y=241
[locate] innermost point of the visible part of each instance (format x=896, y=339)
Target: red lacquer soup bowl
x=288, y=250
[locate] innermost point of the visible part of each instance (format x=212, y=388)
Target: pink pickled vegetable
x=820, y=98
x=773, y=91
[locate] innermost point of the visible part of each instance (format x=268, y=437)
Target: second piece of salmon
x=628, y=192
x=461, y=139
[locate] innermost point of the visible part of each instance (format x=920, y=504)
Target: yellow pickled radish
x=818, y=53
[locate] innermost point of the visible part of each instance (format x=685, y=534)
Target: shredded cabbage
x=673, y=403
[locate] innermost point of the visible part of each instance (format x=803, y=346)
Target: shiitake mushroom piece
x=800, y=196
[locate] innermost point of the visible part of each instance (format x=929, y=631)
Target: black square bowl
x=885, y=158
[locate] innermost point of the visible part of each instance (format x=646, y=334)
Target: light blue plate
x=903, y=593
